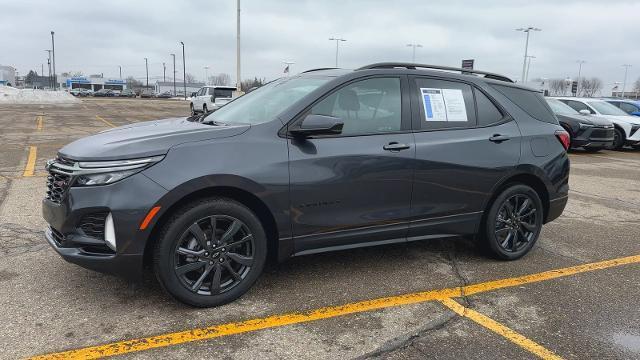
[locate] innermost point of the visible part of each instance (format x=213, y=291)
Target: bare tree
x=589, y=87
x=557, y=87
x=636, y=85
x=221, y=79
x=189, y=78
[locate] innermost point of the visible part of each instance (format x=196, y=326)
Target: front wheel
x=210, y=253
x=618, y=139
x=514, y=222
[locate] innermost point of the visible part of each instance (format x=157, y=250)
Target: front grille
x=57, y=186
x=602, y=133
x=93, y=224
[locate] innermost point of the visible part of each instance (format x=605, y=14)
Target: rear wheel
x=514, y=222
x=193, y=111
x=210, y=253
x=204, y=109
x=618, y=139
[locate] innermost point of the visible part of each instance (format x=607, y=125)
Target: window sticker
x=443, y=104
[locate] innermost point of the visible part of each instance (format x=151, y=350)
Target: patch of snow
x=11, y=95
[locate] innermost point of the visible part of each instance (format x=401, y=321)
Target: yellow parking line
x=31, y=162
x=39, y=122
x=175, y=338
x=105, y=121
x=501, y=330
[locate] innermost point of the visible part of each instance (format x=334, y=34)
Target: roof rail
x=387, y=65
x=318, y=69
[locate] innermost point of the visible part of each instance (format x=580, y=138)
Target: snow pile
x=11, y=95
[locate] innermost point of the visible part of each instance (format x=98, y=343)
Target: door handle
x=395, y=146
x=498, y=138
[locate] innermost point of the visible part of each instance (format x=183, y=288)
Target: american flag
x=286, y=69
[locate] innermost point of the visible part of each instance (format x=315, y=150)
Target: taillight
x=564, y=138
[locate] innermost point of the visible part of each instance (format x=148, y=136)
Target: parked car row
x=117, y=93
x=596, y=124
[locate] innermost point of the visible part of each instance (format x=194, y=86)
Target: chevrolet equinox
x=327, y=160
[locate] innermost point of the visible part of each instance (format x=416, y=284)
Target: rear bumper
x=556, y=207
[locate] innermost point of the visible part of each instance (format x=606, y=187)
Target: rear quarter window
x=530, y=102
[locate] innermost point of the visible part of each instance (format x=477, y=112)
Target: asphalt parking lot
x=574, y=296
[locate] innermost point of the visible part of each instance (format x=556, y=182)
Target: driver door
x=355, y=187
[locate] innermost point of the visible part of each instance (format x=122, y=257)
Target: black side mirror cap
x=318, y=125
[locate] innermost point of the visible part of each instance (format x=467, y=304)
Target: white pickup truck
x=210, y=98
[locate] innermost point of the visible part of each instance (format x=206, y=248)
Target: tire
x=193, y=111
x=497, y=229
x=618, y=139
x=204, y=272
x=204, y=109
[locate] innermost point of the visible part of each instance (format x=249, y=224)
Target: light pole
x=414, y=46
x=53, y=51
x=164, y=73
x=206, y=74
x=120, y=66
x=526, y=77
x=624, y=83
x=49, y=65
x=146, y=66
x=526, y=48
x=174, y=74
x=184, y=72
x=337, y=40
x=580, y=62
x=238, y=78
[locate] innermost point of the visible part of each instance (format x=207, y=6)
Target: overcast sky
x=97, y=36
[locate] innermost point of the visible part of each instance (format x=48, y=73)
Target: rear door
x=465, y=144
x=354, y=187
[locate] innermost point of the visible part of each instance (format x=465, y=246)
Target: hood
x=144, y=139
x=628, y=119
x=593, y=120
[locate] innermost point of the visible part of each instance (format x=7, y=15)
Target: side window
x=445, y=104
x=577, y=106
x=529, y=101
x=628, y=108
x=366, y=107
x=201, y=92
x=488, y=113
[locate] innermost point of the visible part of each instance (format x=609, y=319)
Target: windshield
x=266, y=102
x=605, y=108
x=561, y=108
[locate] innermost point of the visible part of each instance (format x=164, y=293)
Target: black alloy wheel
x=618, y=139
x=210, y=252
x=514, y=222
x=214, y=255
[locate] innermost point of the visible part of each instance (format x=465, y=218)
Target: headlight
x=90, y=173
x=585, y=126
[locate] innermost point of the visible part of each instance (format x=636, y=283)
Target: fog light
x=110, y=233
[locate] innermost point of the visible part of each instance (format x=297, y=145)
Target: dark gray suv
x=326, y=160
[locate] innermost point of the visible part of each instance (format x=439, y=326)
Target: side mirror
x=318, y=125
x=636, y=113
x=193, y=94
x=585, y=112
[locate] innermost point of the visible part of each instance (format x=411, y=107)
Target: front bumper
x=128, y=201
x=594, y=137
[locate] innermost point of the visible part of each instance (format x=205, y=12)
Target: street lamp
x=238, y=78
x=414, y=46
x=49, y=65
x=580, y=62
x=53, y=51
x=146, y=66
x=120, y=66
x=526, y=77
x=624, y=83
x=184, y=72
x=526, y=48
x=164, y=73
x=337, y=40
x=174, y=74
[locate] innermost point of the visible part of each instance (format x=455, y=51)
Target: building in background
x=162, y=86
x=7, y=75
x=93, y=82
